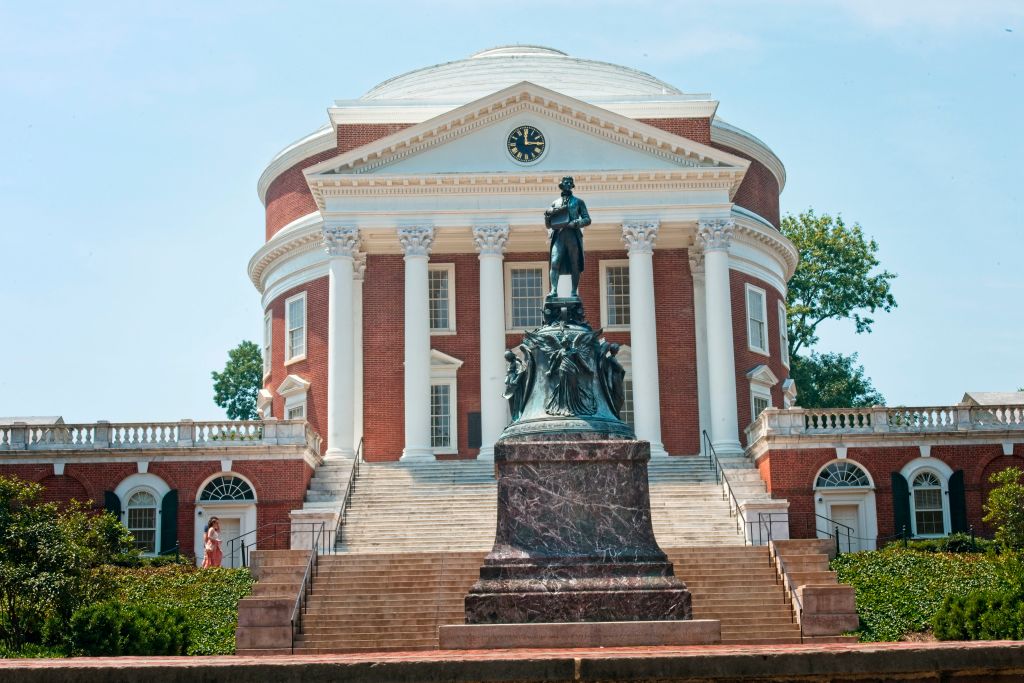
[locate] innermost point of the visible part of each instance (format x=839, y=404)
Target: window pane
x=755, y=319
x=268, y=335
x=783, y=335
x=296, y=342
x=627, y=405
x=297, y=328
x=438, y=284
x=297, y=412
x=760, y=404
x=929, y=522
x=527, y=297
x=617, y=294
x=440, y=416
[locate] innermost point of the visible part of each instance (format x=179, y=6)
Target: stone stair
x=421, y=507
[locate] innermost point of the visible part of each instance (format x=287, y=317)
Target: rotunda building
x=406, y=250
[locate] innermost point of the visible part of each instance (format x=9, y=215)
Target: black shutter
x=957, y=503
x=169, y=521
x=112, y=504
x=475, y=431
x=901, y=504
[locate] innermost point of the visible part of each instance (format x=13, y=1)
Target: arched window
x=141, y=520
x=842, y=474
x=929, y=517
x=226, y=488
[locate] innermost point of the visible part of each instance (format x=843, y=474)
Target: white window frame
x=450, y=269
x=625, y=358
x=296, y=406
x=453, y=413
x=288, y=360
x=604, y=265
x=783, y=334
x=764, y=317
x=941, y=470
x=759, y=391
x=158, y=499
x=294, y=390
x=268, y=343
x=545, y=287
x=444, y=370
x=150, y=483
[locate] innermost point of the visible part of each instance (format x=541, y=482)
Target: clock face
x=526, y=144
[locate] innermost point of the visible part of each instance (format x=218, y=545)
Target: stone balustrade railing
x=880, y=419
x=150, y=435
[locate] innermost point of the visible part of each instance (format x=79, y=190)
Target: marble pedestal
x=574, y=541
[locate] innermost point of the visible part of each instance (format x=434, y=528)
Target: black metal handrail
x=787, y=588
x=741, y=521
x=239, y=543
x=766, y=522
x=306, y=587
x=339, y=529
x=834, y=526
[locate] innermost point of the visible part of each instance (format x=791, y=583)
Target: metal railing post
x=838, y=551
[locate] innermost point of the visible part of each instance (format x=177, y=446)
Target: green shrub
x=111, y=629
x=954, y=543
x=981, y=615
x=1005, y=507
x=900, y=591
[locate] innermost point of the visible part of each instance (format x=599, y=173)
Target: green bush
x=954, y=543
x=982, y=615
x=1004, y=508
x=900, y=591
x=208, y=599
x=111, y=629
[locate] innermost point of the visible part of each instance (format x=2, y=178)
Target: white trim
x=759, y=391
x=861, y=496
x=603, y=277
x=296, y=410
x=783, y=334
x=268, y=344
x=264, y=404
x=727, y=134
x=157, y=500
x=316, y=142
x=294, y=390
x=942, y=472
x=150, y=483
x=226, y=473
x=288, y=358
x=747, y=288
x=450, y=269
x=545, y=287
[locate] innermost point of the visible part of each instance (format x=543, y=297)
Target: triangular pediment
x=472, y=140
x=293, y=385
x=762, y=374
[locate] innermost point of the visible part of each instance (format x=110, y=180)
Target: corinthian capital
x=341, y=240
x=490, y=239
x=715, y=234
x=639, y=236
x=417, y=240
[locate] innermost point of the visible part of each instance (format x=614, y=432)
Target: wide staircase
x=416, y=533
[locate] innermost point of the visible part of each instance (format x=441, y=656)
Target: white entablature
x=463, y=152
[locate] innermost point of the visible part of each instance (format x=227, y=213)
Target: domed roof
x=491, y=70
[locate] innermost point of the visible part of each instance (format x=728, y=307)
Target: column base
x=486, y=453
x=658, y=450
x=339, y=453
x=727, y=448
x=417, y=455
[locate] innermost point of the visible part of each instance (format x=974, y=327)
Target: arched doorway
x=844, y=499
x=232, y=500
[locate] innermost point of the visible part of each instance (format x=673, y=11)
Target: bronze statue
x=613, y=377
x=518, y=379
x=566, y=219
x=572, y=363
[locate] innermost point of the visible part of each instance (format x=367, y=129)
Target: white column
x=715, y=236
x=341, y=244
x=358, y=275
x=490, y=243
x=416, y=242
x=700, y=329
x=639, y=238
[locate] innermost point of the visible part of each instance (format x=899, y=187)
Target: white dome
x=499, y=67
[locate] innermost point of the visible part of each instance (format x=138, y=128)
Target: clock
x=526, y=144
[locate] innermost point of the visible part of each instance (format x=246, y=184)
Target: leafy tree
x=46, y=558
x=832, y=380
x=834, y=279
x=1005, y=507
x=236, y=388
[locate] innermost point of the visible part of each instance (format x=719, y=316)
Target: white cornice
x=727, y=134
x=752, y=228
x=302, y=234
x=566, y=110
x=314, y=143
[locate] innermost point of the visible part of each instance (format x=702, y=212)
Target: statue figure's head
x=567, y=184
x=509, y=356
x=613, y=348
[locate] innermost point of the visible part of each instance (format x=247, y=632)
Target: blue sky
x=133, y=135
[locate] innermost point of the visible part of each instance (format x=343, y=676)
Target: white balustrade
x=153, y=435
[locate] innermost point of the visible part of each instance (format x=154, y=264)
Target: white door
x=847, y=516
x=230, y=527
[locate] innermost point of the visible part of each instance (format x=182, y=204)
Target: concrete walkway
x=974, y=662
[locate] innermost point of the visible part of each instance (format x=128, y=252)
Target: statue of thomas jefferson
x=566, y=219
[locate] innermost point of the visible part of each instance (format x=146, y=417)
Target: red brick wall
x=697, y=129
x=747, y=360
x=288, y=196
x=759, y=191
x=790, y=474
x=677, y=351
x=280, y=487
x=314, y=367
x=383, y=357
